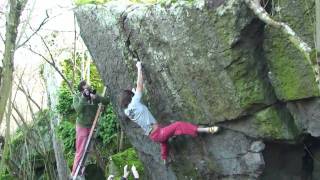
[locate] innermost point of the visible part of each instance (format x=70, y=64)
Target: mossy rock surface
x=275, y=124
x=290, y=72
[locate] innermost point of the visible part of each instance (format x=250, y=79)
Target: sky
x=60, y=19
x=58, y=32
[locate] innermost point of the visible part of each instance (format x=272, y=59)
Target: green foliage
x=145, y=1
x=166, y=2
x=68, y=67
x=128, y=157
x=95, y=80
x=162, y=2
x=17, y=138
x=107, y=134
x=31, y=149
x=38, y=129
x=65, y=99
x=107, y=127
x=6, y=176
x=67, y=133
x=82, y=2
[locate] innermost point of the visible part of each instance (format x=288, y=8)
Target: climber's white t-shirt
x=140, y=114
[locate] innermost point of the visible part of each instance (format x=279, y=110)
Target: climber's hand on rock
x=139, y=65
x=133, y=90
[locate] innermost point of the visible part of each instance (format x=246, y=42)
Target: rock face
x=211, y=63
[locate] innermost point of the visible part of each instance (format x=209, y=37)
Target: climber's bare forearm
x=140, y=78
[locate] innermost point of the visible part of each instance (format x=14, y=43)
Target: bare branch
x=24, y=91
x=2, y=38
x=19, y=82
x=42, y=56
x=16, y=120
x=14, y=106
x=27, y=94
x=44, y=21
x=49, y=51
x=52, y=63
x=31, y=110
x=14, y=100
x=24, y=24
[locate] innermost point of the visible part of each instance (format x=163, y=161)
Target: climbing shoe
x=213, y=129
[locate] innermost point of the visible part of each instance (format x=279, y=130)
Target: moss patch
x=275, y=123
x=290, y=72
x=248, y=80
x=118, y=161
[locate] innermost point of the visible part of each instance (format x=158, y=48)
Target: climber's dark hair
x=125, y=98
x=81, y=84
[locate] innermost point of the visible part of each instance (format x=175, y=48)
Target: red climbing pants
x=162, y=134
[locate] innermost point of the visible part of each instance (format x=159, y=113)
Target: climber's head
x=125, y=98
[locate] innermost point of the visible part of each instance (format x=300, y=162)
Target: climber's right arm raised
x=140, y=78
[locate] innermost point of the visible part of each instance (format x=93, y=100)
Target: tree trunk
x=121, y=140
x=61, y=163
x=12, y=23
x=7, y=134
x=62, y=168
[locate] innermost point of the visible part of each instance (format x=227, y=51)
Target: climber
x=130, y=102
x=85, y=102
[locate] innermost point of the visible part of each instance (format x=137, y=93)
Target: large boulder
x=205, y=62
